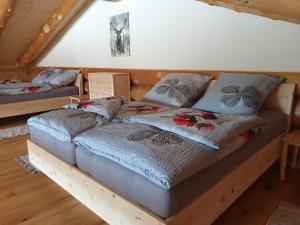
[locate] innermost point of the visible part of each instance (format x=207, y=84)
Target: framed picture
x=119, y=35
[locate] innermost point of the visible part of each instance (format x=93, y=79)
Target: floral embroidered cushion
x=241, y=94
x=107, y=107
x=56, y=77
x=178, y=89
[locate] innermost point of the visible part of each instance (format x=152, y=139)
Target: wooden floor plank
x=35, y=199
x=27, y=199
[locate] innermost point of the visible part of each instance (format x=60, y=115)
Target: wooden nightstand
x=108, y=84
x=293, y=139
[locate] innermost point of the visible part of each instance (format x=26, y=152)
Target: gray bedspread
x=213, y=129
x=166, y=202
x=22, y=88
x=163, y=157
x=65, y=124
x=54, y=93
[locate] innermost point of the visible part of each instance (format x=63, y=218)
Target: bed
x=39, y=102
x=116, y=208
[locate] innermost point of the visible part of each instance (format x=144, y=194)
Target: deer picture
x=117, y=26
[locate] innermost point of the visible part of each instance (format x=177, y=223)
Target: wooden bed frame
x=41, y=105
x=117, y=209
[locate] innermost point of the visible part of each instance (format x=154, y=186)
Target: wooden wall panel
x=142, y=80
x=15, y=73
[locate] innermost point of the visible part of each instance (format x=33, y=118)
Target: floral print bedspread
x=212, y=129
x=164, y=144
x=163, y=157
x=167, y=144
x=65, y=124
x=22, y=88
x=107, y=106
x=134, y=108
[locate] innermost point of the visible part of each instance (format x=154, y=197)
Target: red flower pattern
x=85, y=104
x=143, y=108
x=208, y=115
x=249, y=134
x=190, y=121
x=184, y=120
x=206, y=126
x=33, y=89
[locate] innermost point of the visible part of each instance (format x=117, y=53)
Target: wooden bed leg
x=284, y=154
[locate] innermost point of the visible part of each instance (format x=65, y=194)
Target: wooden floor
x=34, y=199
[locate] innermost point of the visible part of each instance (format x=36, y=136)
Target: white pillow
x=178, y=89
x=56, y=77
x=241, y=94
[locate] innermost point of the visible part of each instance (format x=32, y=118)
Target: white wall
x=180, y=34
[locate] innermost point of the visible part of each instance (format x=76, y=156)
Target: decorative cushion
x=56, y=77
x=177, y=89
x=106, y=107
x=241, y=94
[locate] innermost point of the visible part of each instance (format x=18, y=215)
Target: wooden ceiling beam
x=287, y=10
x=6, y=11
x=63, y=14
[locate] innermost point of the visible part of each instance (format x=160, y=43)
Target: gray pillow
x=56, y=77
x=177, y=89
x=241, y=94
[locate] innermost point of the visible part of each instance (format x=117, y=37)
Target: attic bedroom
x=139, y=112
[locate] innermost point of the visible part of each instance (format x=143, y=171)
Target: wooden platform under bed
x=116, y=209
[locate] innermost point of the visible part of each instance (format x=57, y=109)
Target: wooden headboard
x=282, y=100
x=142, y=80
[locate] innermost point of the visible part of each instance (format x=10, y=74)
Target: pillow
x=106, y=107
x=177, y=89
x=241, y=94
x=56, y=77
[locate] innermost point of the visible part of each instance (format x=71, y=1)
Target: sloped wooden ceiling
x=28, y=17
x=28, y=26
x=288, y=10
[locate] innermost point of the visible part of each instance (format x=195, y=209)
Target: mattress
x=166, y=202
x=61, y=149
x=54, y=93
